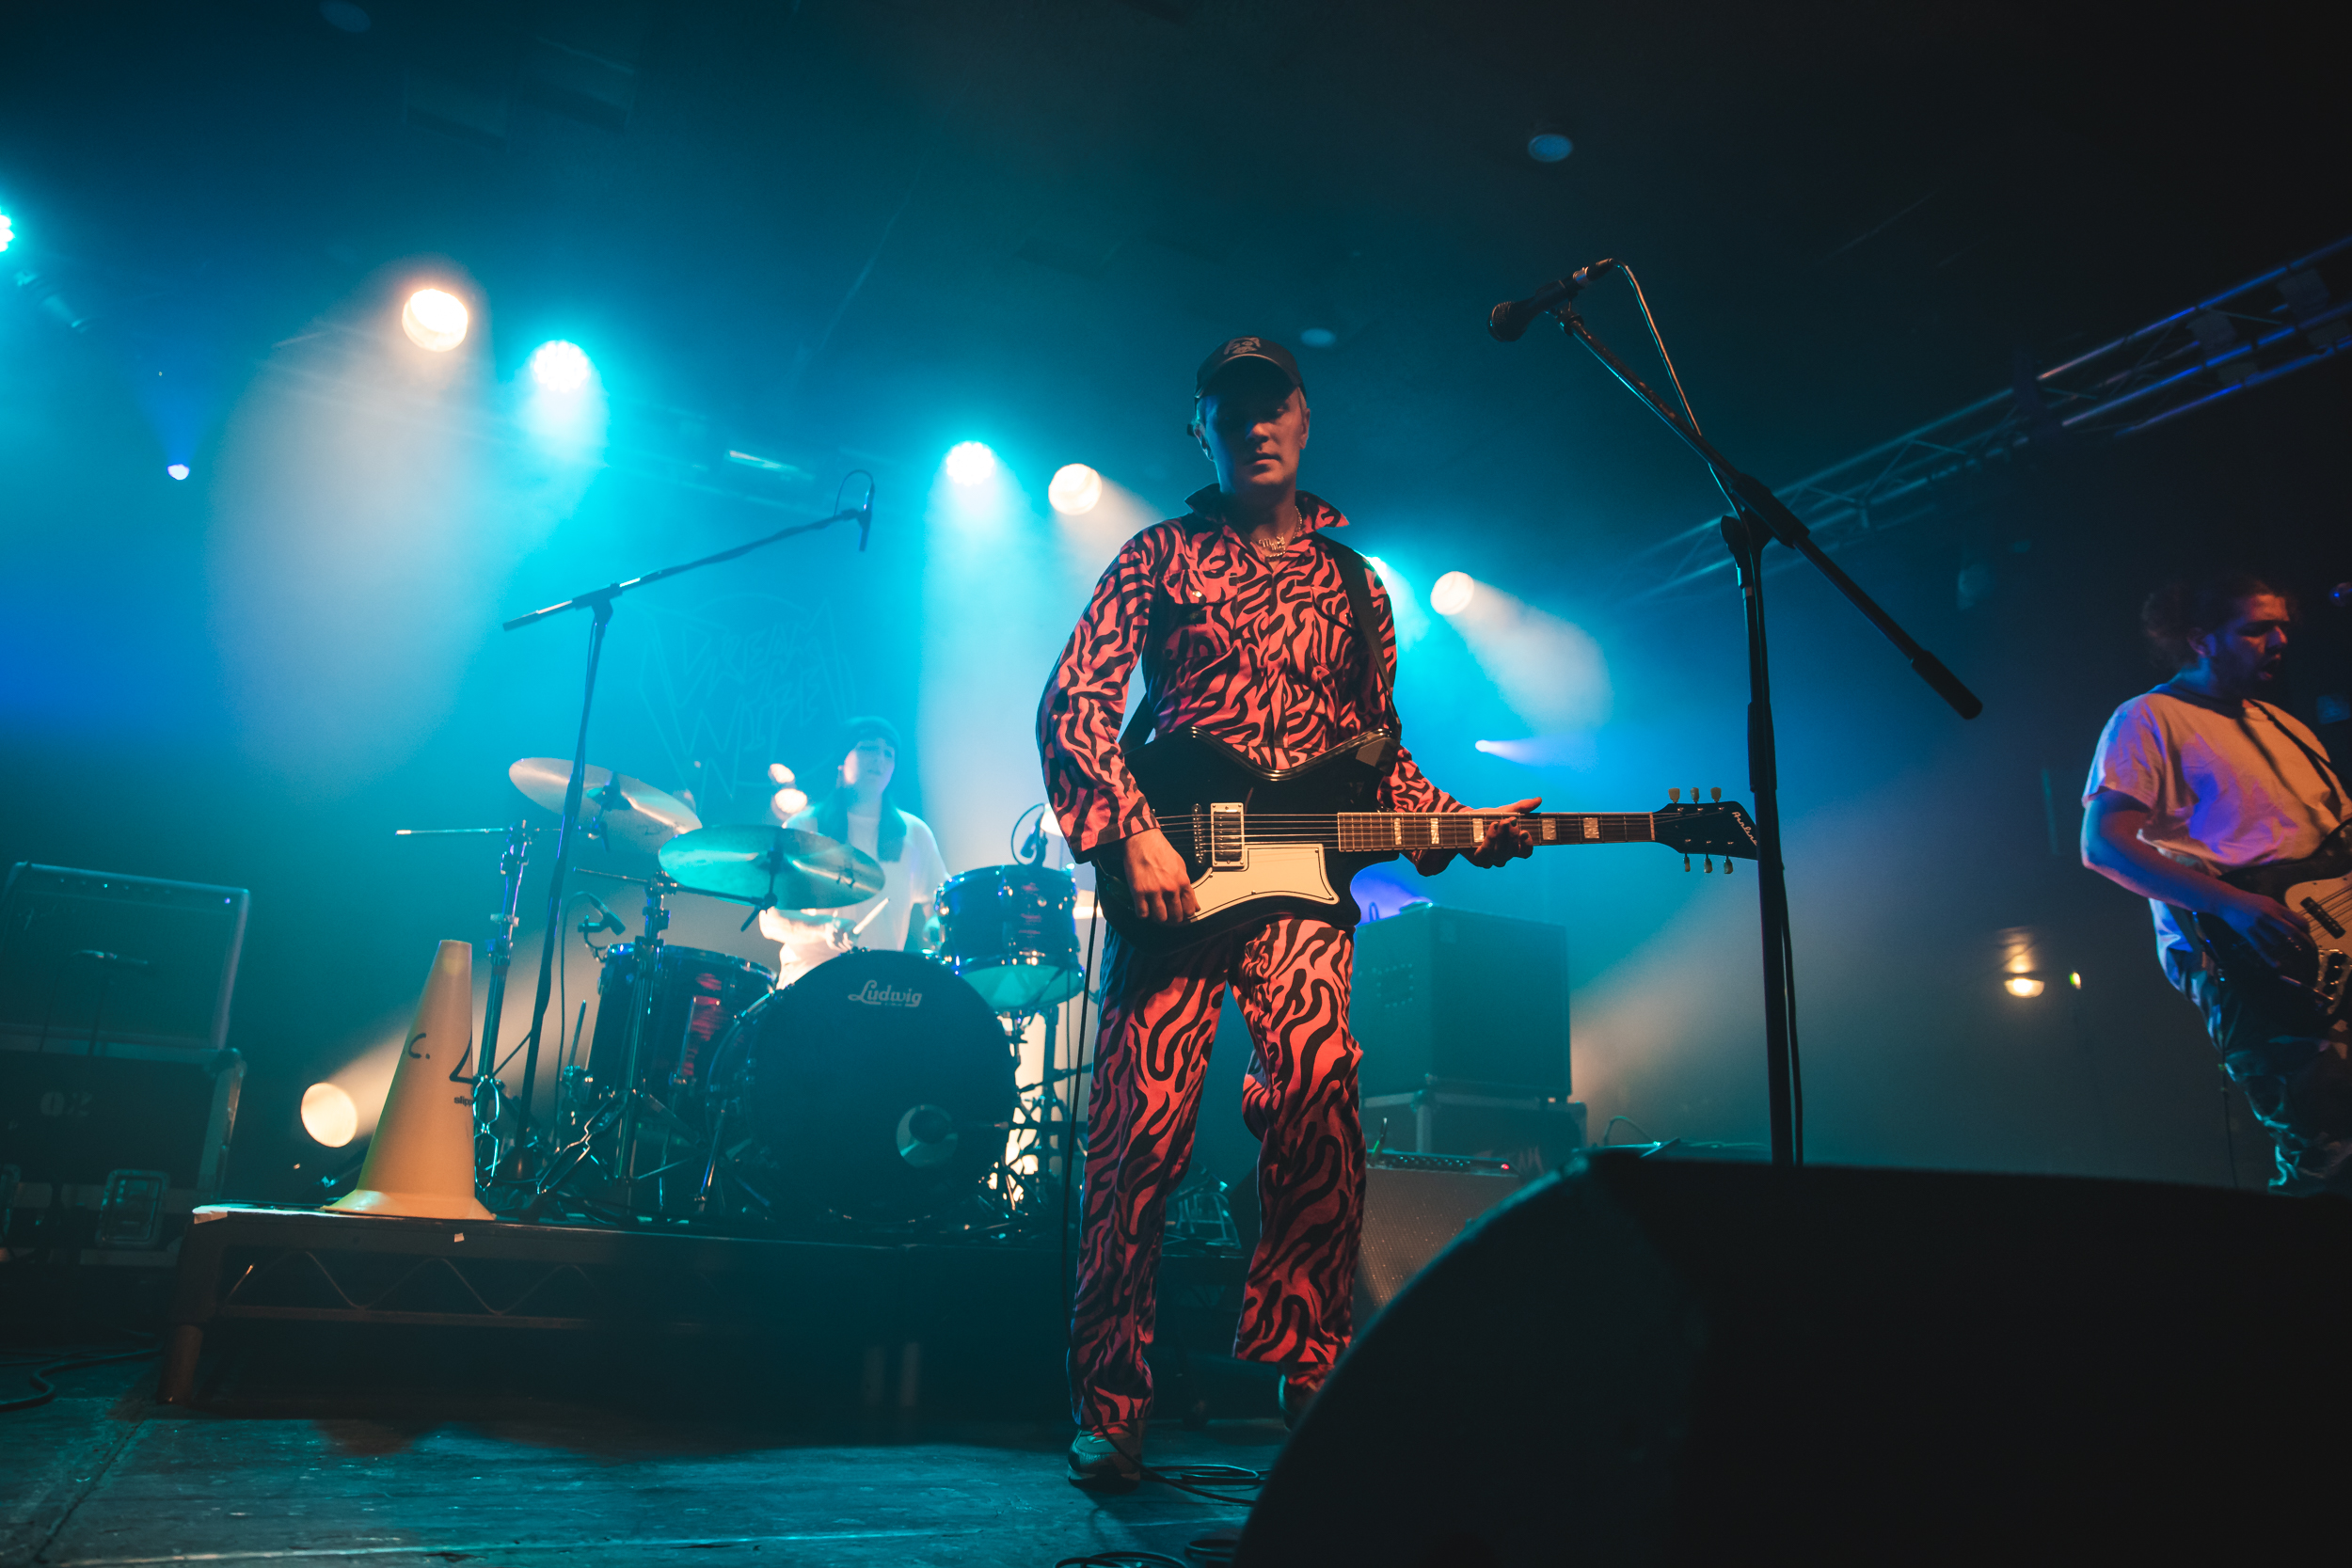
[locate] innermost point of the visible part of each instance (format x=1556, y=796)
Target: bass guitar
x=2318, y=888
x=1259, y=841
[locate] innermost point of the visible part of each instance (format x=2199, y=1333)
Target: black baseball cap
x=1234, y=349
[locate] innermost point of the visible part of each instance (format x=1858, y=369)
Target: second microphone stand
x=1758, y=518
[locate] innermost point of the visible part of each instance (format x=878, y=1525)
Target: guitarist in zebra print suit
x=1240, y=614
x=2206, y=799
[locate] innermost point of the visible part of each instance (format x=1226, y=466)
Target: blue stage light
x=6, y=233
x=560, y=367
x=177, y=470
x=970, y=463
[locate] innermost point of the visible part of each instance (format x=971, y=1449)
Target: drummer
x=859, y=812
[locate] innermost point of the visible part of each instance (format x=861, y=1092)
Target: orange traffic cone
x=421, y=1161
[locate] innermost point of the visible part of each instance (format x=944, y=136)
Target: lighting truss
x=2267, y=327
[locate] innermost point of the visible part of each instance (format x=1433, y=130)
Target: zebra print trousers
x=1291, y=979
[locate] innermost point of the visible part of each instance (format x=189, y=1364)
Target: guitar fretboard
x=1373, y=833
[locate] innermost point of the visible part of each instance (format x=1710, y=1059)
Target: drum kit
x=877, y=1087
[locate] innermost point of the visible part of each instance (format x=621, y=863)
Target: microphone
x=606, y=921
x=1507, y=321
x=865, y=519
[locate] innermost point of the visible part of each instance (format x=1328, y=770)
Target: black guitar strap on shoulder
x=1356, y=576
x=2319, y=763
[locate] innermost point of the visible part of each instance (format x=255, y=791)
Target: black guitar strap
x=1356, y=577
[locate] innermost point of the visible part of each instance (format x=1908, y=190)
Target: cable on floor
x=38, y=1364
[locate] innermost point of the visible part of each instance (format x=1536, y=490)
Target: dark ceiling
x=874, y=228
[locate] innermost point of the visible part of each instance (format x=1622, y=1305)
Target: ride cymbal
x=784, y=866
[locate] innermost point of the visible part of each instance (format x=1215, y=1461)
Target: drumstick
x=859, y=929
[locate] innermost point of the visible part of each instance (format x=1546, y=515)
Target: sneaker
x=1110, y=1460
x=1295, y=1397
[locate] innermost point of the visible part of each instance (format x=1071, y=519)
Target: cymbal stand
x=488, y=1092
x=646, y=957
x=600, y=602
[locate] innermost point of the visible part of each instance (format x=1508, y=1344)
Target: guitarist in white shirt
x=2202, y=777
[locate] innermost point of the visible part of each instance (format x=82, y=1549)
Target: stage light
x=1451, y=594
x=177, y=470
x=971, y=463
x=435, y=320
x=6, y=233
x=329, y=1115
x=2075, y=981
x=1076, y=488
x=1404, y=610
x=1549, y=147
x=2022, y=985
x=560, y=367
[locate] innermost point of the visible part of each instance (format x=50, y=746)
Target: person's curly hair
x=2180, y=611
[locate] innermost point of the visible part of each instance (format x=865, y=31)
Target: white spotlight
x=970, y=463
x=328, y=1115
x=2022, y=986
x=1451, y=594
x=177, y=470
x=1076, y=488
x=435, y=320
x=560, y=367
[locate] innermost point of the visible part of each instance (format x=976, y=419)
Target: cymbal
x=784, y=866
x=628, y=814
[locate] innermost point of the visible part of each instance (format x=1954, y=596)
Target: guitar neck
x=1378, y=831
x=1381, y=833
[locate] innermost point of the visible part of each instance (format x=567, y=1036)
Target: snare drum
x=1008, y=931
x=697, y=995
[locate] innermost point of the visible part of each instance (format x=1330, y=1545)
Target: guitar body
x=1185, y=773
x=2318, y=888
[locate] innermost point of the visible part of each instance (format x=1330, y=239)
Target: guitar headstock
x=1717, y=827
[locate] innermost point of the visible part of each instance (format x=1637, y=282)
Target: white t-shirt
x=913, y=879
x=2223, y=790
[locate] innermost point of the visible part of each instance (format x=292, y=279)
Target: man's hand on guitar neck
x=1157, y=876
x=1505, y=841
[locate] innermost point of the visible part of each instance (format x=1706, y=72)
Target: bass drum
x=878, y=1085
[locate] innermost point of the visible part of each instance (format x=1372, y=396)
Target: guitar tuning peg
x=1674, y=795
x=1686, y=863
x=1726, y=865
x=1717, y=792
x=1695, y=795
x=1710, y=865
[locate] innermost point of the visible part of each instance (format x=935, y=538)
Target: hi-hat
x=626, y=813
x=784, y=866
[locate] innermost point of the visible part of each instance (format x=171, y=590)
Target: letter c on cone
x=420, y=1162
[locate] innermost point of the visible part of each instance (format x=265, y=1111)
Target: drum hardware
x=624, y=812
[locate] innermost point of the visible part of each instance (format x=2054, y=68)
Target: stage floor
x=104, y=1477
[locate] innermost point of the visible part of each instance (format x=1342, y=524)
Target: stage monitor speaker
x=1414, y=1206
x=147, y=962
x=1642, y=1361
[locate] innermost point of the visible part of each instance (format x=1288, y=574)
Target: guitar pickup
x=1226, y=849
x=2321, y=918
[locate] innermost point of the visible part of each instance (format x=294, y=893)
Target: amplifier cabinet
x=117, y=1096
x=1414, y=1206
x=1464, y=997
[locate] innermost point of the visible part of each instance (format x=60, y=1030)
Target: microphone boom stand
x=599, y=603
x=1759, y=516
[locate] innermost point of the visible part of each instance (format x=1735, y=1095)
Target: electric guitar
x=1260, y=842
x=2318, y=888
